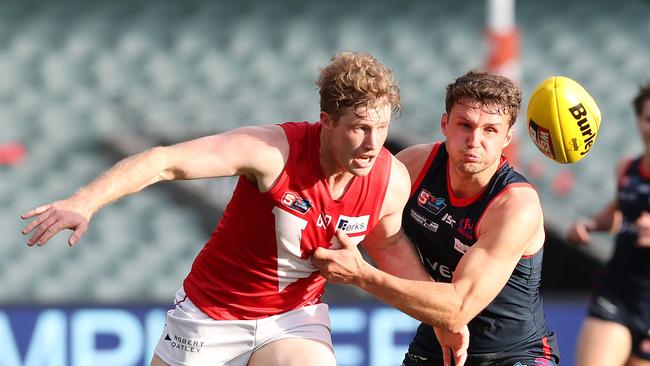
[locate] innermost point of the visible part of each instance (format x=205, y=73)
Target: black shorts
x=542, y=352
x=611, y=303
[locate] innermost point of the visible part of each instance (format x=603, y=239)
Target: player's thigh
x=604, y=343
x=294, y=352
x=156, y=361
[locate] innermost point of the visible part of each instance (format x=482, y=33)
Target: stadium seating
x=76, y=76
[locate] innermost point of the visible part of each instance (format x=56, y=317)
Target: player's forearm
x=607, y=220
x=609, y=224
x=437, y=304
x=413, y=297
x=399, y=259
x=126, y=177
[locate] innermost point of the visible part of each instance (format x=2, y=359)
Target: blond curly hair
x=356, y=80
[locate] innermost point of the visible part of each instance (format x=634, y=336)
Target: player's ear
x=326, y=120
x=444, y=119
x=509, y=134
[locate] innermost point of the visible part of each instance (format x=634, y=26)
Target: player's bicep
x=246, y=150
x=390, y=221
x=479, y=277
x=396, y=255
x=511, y=227
x=384, y=233
x=388, y=245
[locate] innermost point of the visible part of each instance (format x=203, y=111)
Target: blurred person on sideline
x=253, y=297
x=617, y=328
x=476, y=225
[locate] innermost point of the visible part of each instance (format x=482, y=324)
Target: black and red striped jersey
x=443, y=227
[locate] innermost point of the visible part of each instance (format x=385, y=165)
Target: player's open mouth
x=364, y=161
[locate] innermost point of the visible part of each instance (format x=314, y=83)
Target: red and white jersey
x=257, y=261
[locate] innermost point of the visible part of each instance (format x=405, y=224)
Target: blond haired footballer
x=252, y=296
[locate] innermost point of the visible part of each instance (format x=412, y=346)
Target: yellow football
x=563, y=119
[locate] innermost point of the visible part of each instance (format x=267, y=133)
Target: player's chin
x=361, y=167
x=360, y=171
x=472, y=167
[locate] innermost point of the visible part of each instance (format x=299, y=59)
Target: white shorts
x=191, y=337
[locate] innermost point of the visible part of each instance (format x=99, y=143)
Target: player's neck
x=336, y=176
x=338, y=184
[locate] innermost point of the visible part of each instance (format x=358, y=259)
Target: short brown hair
x=639, y=100
x=355, y=80
x=495, y=92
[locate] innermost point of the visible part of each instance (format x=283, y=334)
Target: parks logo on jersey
x=353, y=225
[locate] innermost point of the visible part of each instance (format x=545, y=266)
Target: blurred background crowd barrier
x=85, y=83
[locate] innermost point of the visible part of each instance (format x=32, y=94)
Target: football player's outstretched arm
x=258, y=153
x=512, y=224
x=608, y=219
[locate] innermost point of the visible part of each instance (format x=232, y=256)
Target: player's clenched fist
x=343, y=264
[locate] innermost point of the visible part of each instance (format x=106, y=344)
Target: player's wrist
x=83, y=204
x=368, y=277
